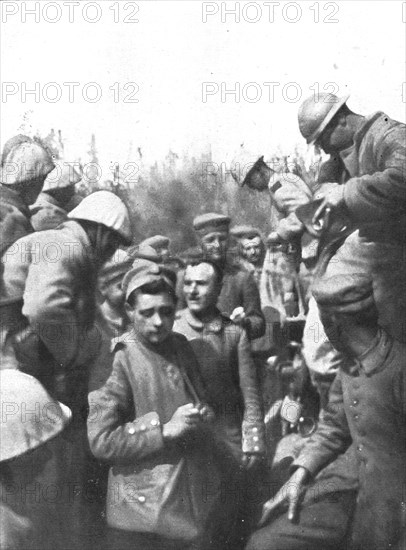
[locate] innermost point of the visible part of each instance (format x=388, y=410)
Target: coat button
x=143, y=427
x=356, y=417
x=141, y=499
x=255, y=430
x=355, y=402
x=256, y=448
x=131, y=430
x=154, y=422
x=360, y=448
x=255, y=438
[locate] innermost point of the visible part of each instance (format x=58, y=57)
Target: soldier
x=51, y=207
x=159, y=243
x=148, y=424
x=251, y=249
x=30, y=420
x=110, y=287
x=239, y=296
x=227, y=367
x=55, y=274
x=24, y=166
x=367, y=190
x=365, y=420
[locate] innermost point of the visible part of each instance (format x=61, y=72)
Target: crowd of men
x=138, y=388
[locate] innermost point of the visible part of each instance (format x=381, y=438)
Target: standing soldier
x=367, y=167
x=55, y=274
x=24, y=166
x=251, y=249
x=51, y=207
x=239, y=296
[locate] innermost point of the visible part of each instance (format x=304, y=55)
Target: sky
x=181, y=58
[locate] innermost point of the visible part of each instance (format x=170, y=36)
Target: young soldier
x=147, y=421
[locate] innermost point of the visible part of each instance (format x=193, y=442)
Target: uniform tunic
x=229, y=373
x=146, y=386
x=368, y=407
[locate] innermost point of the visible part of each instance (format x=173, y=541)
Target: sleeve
x=254, y=321
x=253, y=428
x=113, y=435
x=50, y=306
x=332, y=436
x=380, y=195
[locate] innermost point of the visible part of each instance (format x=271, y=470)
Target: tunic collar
x=214, y=325
x=350, y=155
x=374, y=359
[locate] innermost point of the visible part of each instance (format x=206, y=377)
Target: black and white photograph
x=203, y=275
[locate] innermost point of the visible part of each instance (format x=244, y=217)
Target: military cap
x=343, y=293
x=245, y=232
x=24, y=160
x=156, y=241
x=30, y=416
x=144, y=252
x=116, y=266
x=193, y=255
x=145, y=272
x=63, y=175
x=210, y=222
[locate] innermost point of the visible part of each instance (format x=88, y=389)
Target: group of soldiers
x=138, y=388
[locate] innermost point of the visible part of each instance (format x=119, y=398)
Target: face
x=201, y=288
x=31, y=190
x=215, y=245
x=335, y=136
x=114, y=294
x=251, y=250
x=153, y=316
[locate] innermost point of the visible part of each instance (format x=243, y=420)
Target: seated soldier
x=148, y=423
x=228, y=370
x=30, y=420
x=365, y=422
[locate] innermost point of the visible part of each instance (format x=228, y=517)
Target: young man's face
x=215, y=245
x=201, y=288
x=251, y=250
x=153, y=316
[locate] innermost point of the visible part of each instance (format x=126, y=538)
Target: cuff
x=253, y=438
x=147, y=432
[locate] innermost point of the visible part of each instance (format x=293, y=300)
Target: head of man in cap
x=150, y=300
x=160, y=244
x=25, y=164
x=212, y=231
x=250, y=244
x=111, y=290
x=348, y=311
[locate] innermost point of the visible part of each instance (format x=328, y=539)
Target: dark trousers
x=323, y=524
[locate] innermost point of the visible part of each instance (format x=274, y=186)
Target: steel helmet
x=29, y=415
x=106, y=208
x=24, y=160
x=63, y=175
x=316, y=112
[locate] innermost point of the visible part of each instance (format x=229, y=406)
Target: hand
x=332, y=199
x=251, y=460
x=206, y=412
x=185, y=419
x=290, y=493
x=238, y=316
